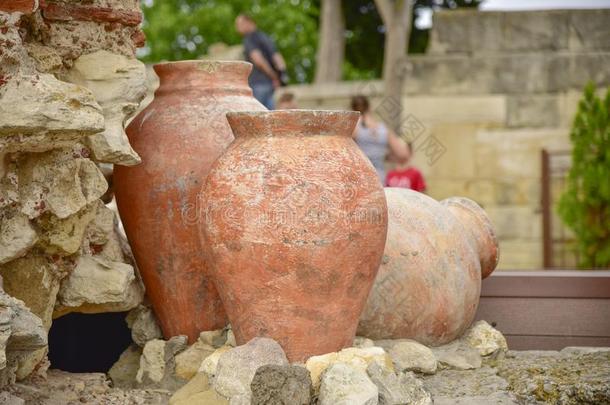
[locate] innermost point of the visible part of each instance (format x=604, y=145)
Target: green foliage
x=184, y=29
x=585, y=205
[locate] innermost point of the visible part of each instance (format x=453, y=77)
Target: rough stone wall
x=493, y=90
x=68, y=81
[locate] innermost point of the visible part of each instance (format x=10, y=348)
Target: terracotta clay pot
x=295, y=226
x=178, y=136
x=429, y=283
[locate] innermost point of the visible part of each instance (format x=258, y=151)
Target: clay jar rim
x=211, y=76
x=293, y=123
x=209, y=66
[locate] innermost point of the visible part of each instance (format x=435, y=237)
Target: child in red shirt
x=406, y=176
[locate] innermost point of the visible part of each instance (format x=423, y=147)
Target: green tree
x=184, y=29
x=585, y=205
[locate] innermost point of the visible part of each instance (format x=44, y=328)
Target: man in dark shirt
x=269, y=65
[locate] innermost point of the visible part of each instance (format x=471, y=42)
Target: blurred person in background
x=406, y=176
x=287, y=102
x=269, y=70
x=375, y=139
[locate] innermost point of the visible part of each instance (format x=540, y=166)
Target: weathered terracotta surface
x=178, y=136
x=296, y=223
x=429, y=283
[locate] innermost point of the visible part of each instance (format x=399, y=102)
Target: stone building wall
x=68, y=81
x=493, y=90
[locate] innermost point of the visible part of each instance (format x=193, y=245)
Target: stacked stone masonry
x=493, y=90
x=69, y=80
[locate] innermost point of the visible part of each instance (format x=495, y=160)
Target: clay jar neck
x=480, y=228
x=204, y=77
x=292, y=123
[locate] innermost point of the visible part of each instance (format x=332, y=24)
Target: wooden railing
x=548, y=309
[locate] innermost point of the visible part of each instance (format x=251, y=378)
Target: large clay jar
x=429, y=282
x=296, y=225
x=178, y=136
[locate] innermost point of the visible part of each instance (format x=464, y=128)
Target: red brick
x=68, y=12
x=20, y=6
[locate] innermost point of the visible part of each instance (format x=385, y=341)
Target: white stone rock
x=21, y=336
x=40, y=113
x=458, y=355
x=6, y=315
x=394, y=389
x=61, y=182
x=157, y=363
x=152, y=362
x=196, y=385
x=210, y=364
x=484, y=338
x=95, y=281
x=6, y=398
x=123, y=372
x=214, y=338
x=143, y=324
x=119, y=84
x=65, y=236
x=230, y=338
x=17, y=236
x=189, y=361
x=343, y=384
x=409, y=355
x=359, y=358
x=362, y=342
x=237, y=367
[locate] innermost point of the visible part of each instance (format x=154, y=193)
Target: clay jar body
x=296, y=225
x=178, y=136
x=429, y=283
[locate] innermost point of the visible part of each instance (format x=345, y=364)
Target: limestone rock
x=61, y=182
x=497, y=398
x=35, y=280
x=17, y=236
x=359, y=358
x=6, y=315
x=399, y=389
x=413, y=356
x=236, y=368
x=158, y=362
x=152, y=362
x=96, y=285
x=209, y=365
x=230, y=338
x=22, y=335
x=457, y=354
x=345, y=385
x=484, y=338
x=189, y=361
x=40, y=113
x=64, y=236
x=455, y=384
x=208, y=397
x=281, y=385
x=558, y=378
x=118, y=84
x=214, y=338
x=99, y=230
x=123, y=372
x=362, y=342
x=7, y=398
x=143, y=324
x=185, y=395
